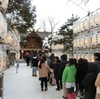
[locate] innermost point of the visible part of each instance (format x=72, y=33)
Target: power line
x=78, y=6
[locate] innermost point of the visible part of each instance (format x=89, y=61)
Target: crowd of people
x=75, y=77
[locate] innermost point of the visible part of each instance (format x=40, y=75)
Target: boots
x=35, y=75
x=46, y=89
x=41, y=89
x=32, y=74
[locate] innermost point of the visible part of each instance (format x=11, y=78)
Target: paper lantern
x=94, y=41
x=97, y=18
x=87, y=42
x=78, y=27
x=74, y=43
x=9, y=38
x=92, y=22
x=75, y=27
x=81, y=25
x=4, y=4
x=82, y=42
x=86, y=24
x=98, y=38
x=78, y=43
x=3, y=26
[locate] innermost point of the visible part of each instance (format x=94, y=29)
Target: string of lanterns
x=86, y=36
x=8, y=40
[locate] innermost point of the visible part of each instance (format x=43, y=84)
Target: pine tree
x=23, y=14
x=67, y=32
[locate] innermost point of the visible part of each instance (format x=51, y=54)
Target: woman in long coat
x=56, y=65
x=81, y=72
x=97, y=83
x=43, y=70
x=88, y=82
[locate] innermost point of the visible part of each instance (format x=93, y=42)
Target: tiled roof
x=42, y=35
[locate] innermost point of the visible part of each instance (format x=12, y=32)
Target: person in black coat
x=80, y=74
x=61, y=69
x=51, y=79
x=56, y=65
x=88, y=82
x=34, y=65
x=97, y=62
x=27, y=60
x=62, y=64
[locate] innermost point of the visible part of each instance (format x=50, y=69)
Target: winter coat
x=56, y=69
x=81, y=72
x=97, y=65
x=62, y=65
x=51, y=63
x=27, y=59
x=69, y=74
x=88, y=82
x=34, y=62
x=44, y=70
x=97, y=83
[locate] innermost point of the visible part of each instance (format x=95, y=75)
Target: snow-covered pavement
x=22, y=85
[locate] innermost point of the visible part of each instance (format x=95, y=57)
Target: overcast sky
x=61, y=10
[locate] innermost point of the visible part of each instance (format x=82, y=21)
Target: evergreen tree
x=67, y=32
x=23, y=15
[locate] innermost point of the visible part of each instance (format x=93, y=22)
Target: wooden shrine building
x=33, y=42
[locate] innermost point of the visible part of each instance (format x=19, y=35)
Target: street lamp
x=9, y=38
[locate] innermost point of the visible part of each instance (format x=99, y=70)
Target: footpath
x=23, y=85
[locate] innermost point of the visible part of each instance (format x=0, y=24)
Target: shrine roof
x=42, y=35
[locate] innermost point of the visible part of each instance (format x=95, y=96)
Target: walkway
x=22, y=85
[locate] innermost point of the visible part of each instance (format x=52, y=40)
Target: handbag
x=98, y=90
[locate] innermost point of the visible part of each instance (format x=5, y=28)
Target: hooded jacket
x=69, y=74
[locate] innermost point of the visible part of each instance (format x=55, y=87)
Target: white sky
x=61, y=10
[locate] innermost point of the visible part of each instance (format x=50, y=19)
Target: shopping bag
x=98, y=90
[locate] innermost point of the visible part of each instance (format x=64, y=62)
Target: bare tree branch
x=43, y=22
x=52, y=23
